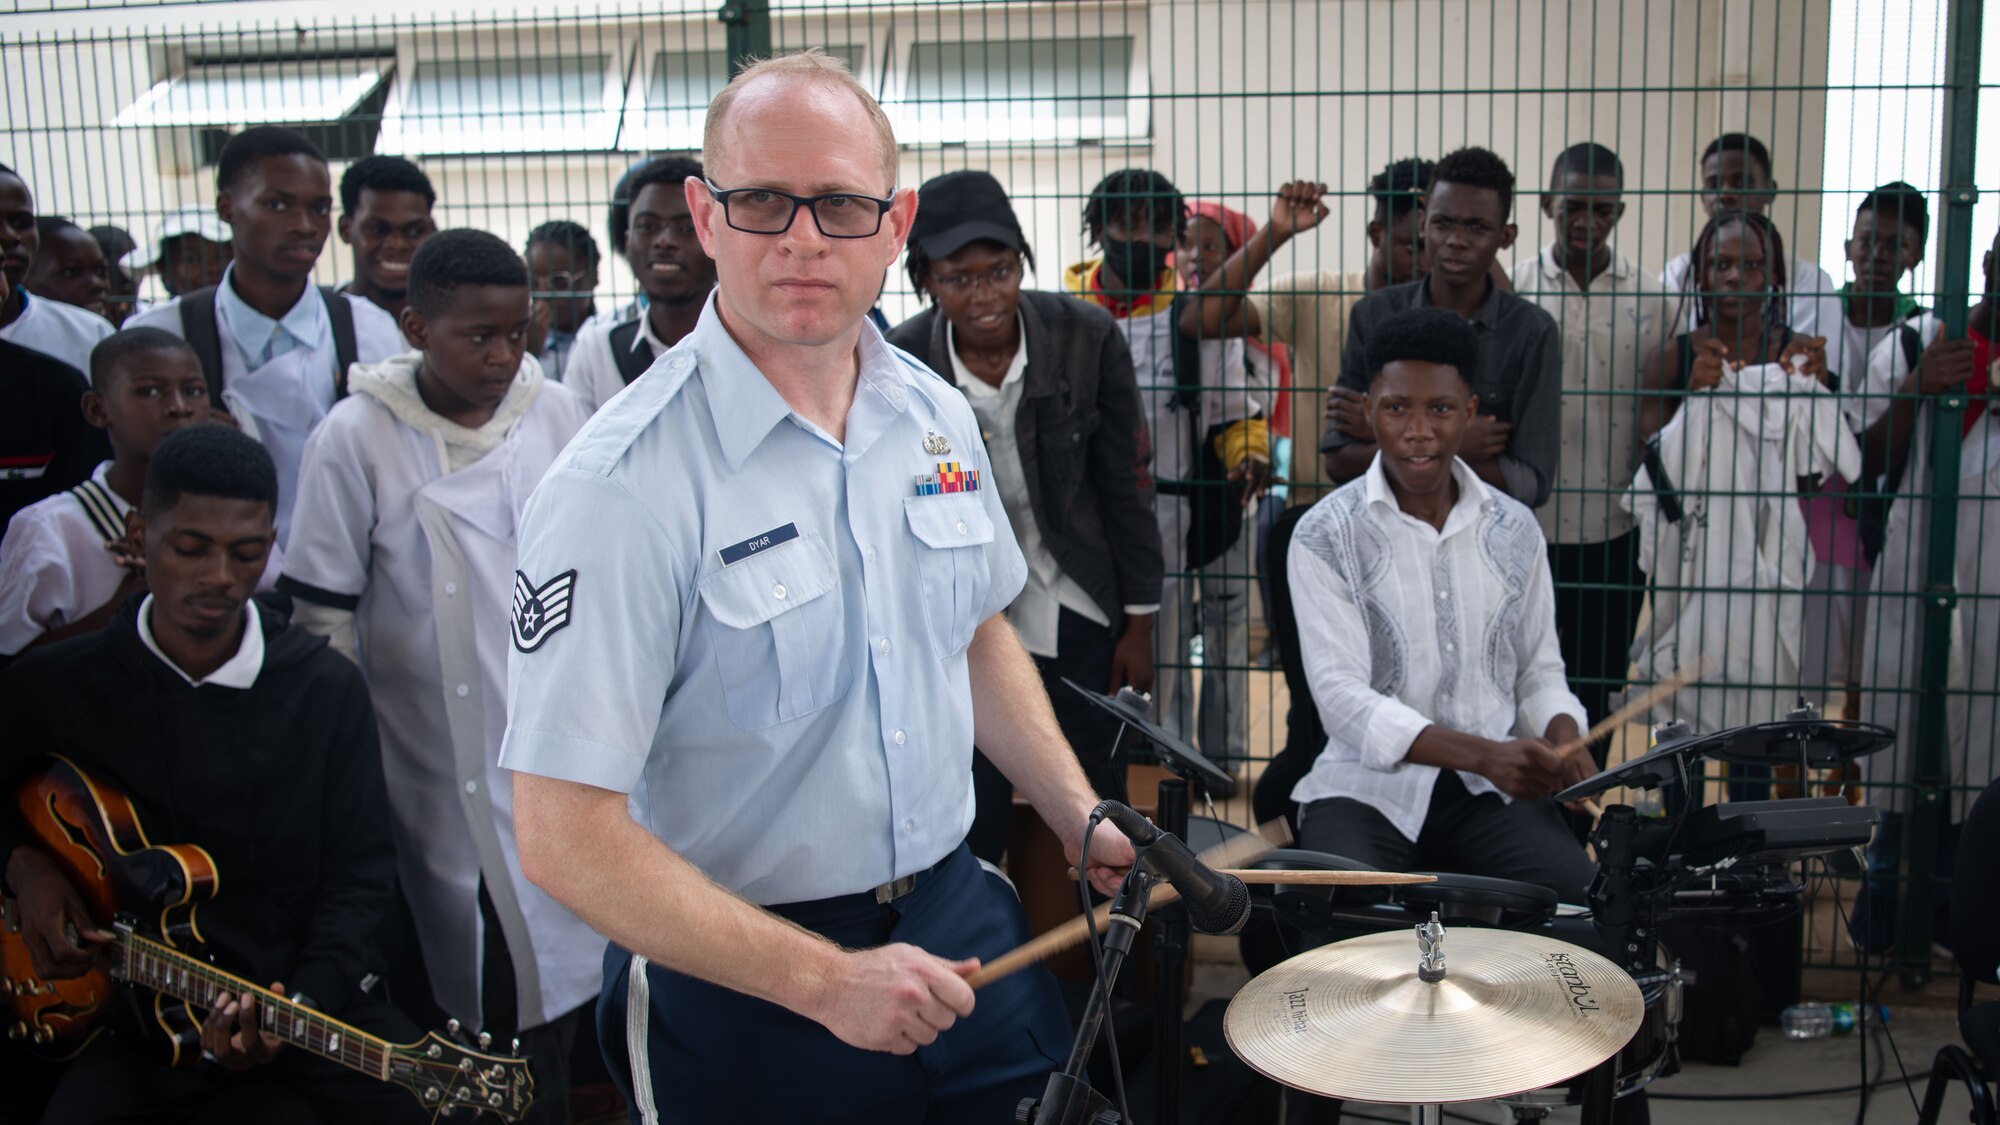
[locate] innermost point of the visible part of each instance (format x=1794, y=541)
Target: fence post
x=747, y=25
x=1930, y=773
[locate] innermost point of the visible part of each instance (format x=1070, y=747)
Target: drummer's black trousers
x=1472, y=835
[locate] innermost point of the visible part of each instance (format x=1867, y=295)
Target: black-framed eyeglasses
x=999, y=280
x=768, y=211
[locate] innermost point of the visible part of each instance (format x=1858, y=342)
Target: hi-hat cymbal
x=1513, y=1012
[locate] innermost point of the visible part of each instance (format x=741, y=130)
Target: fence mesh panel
x=115, y=113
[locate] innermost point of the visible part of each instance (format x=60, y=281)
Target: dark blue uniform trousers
x=715, y=1055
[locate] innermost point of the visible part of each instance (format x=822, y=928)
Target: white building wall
x=1244, y=94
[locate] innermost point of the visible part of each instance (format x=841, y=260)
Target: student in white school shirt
x=1613, y=317
x=69, y=562
x=1736, y=174
x=410, y=499
x=273, y=347
x=674, y=274
x=50, y=327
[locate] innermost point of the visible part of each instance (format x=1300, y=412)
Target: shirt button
x=1444, y=595
x=463, y=691
x=451, y=588
x=884, y=646
x=899, y=737
x=777, y=589
x=472, y=787
x=961, y=527
x=871, y=554
x=1449, y=647
x=909, y=826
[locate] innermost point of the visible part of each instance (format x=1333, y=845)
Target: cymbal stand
x=1426, y=1115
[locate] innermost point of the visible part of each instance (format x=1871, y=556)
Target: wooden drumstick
x=1665, y=689
x=1318, y=877
x=1235, y=851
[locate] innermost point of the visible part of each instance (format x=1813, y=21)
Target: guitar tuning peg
x=451, y=1027
x=485, y=1040
x=515, y=1050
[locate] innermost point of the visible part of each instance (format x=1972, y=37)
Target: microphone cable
x=1097, y=957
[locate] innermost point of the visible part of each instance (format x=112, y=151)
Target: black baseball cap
x=959, y=208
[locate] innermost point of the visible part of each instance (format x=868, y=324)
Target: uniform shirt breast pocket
x=776, y=650
x=953, y=534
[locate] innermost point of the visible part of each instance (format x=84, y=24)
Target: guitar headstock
x=447, y=1077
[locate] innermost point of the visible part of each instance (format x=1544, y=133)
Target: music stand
x=1174, y=754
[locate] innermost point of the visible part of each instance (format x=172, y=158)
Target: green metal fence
x=115, y=112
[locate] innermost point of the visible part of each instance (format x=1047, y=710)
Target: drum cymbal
x=1512, y=1012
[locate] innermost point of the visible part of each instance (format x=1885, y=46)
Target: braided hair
x=1776, y=314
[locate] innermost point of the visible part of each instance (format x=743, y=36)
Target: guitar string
x=342, y=1042
x=370, y=1053
x=153, y=964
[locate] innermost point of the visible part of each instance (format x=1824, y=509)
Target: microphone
x=1216, y=903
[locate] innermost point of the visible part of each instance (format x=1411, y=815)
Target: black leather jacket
x=1083, y=442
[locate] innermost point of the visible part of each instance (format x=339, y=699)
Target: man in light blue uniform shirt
x=757, y=629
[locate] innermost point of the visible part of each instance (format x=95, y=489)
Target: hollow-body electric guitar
x=149, y=895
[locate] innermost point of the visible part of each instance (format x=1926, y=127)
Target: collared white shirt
x=1403, y=626
x=239, y=671
x=53, y=328
x=1038, y=611
x=592, y=370
x=617, y=315
x=760, y=632
x=258, y=338
x=1609, y=331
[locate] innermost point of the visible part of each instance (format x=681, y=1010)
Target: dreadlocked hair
x=1776, y=315
x=1129, y=194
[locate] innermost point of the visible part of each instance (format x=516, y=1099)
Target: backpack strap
x=340, y=315
x=1913, y=349
x=632, y=360
x=100, y=508
x=1684, y=358
x=199, y=330
x=1664, y=492
x=1913, y=345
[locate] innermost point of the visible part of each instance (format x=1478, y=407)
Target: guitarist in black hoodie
x=229, y=728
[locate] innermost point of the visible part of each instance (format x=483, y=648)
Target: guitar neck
x=145, y=962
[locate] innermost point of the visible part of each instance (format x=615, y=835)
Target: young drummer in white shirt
x=1427, y=621
x=68, y=562
x=410, y=495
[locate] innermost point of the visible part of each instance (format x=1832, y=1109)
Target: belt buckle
x=890, y=892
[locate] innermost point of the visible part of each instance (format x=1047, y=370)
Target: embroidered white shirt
x=1403, y=626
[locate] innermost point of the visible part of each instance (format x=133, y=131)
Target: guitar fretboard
x=145, y=962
